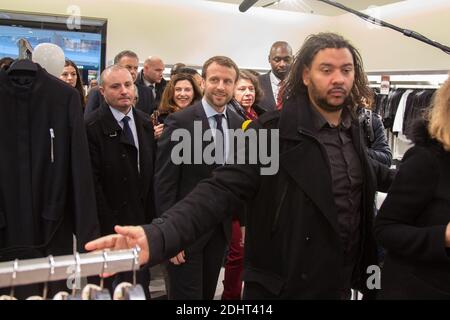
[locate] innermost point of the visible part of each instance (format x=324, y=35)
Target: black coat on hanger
x=46, y=187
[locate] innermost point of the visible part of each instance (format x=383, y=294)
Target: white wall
x=386, y=49
x=191, y=31
x=188, y=31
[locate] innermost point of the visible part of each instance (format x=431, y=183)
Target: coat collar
x=298, y=116
x=110, y=126
x=307, y=162
x=109, y=123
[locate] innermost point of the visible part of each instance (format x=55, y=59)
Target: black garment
x=375, y=136
x=219, y=142
x=292, y=233
x=124, y=194
x=159, y=88
x=268, y=101
x=391, y=107
x=46, y=187
x=145, y=101
x=174, y=182
x=416, y=105
x=412, y=221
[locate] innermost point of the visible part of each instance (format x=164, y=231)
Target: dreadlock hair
x=361, y=94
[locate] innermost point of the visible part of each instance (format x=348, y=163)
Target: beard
x=322, y=102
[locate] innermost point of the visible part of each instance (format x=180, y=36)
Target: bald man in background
x=280, y=59
x=152, y=76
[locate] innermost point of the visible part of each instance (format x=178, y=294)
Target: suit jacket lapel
x=268, y=88
x=200, y=115
x=109, y=123
x=234, y=121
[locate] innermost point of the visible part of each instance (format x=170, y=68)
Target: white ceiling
x=315, y=6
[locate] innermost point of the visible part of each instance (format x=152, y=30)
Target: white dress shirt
x=275, y=82
x=148, y=84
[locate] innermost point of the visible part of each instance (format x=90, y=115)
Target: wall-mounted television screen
x=85, y=45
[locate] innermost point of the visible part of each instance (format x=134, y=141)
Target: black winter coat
x=124, y=195
x=412, y=221
x=46, y=187
x=293, y=249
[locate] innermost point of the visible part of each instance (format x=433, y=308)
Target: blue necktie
x=127, y=131
x=218, y=117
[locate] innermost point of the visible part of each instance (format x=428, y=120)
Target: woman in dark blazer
x=413, y=222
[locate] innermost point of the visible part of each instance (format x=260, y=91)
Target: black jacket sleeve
x=207, y=205
x=409, y=196
x=379, y=149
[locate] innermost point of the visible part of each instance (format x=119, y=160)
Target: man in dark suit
x=193, y=273
x=151, y=76
x=280, y=59
x=121, y=144
x=145, y=101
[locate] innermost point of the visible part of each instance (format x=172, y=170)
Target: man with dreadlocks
x=309, y=226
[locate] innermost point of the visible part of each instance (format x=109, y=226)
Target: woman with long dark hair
x=180, y=92
x=71, y=75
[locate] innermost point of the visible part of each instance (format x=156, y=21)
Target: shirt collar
x=148, y=83
x=119, y=115
x=274, y=79
x=210, y=111
x=320, y=122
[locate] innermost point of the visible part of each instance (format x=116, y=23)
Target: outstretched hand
x=126, y=238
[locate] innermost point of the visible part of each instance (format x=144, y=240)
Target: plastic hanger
x=95, y=292
x=76, y=295
x=128, y=291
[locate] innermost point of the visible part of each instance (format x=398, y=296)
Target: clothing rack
x=407, y=86
x=43, y=270
x=421, y=80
